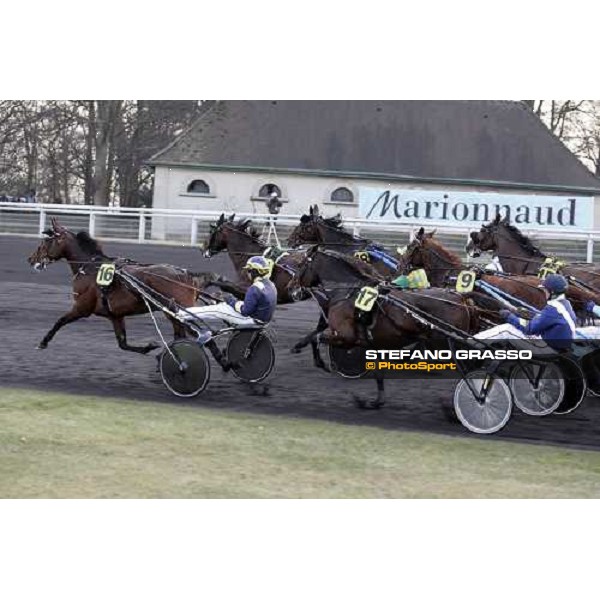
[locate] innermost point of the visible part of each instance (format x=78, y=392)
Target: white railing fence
x=191, y=227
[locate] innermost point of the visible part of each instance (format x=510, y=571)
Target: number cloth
x=465, y=282
x=366, y=298
x=106, y=274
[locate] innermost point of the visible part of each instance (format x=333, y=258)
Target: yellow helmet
x=363, y=255
x=259, y=264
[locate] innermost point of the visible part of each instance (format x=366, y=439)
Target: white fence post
x=92, y=225
x=590, y=249
x=194, y=232
x=42, y=225
x=142, y=229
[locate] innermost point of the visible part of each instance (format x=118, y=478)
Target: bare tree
x=108, y=112
x=86, y=150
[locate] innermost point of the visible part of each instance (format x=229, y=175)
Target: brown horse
x=518, y=254
x=241, y=242
x=439, y=262
x=85, y=256
x=329, y=233
x=340, y=277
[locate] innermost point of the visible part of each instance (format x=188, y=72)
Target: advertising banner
x=472, y=209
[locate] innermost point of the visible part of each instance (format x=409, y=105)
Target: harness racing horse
x=329, y=233
x=440, y=263
x=518, y=255
x=241, y=242
x=393, y=326
x=85, y=257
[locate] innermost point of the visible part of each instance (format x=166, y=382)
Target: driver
x=258, y=305
x=555, y=324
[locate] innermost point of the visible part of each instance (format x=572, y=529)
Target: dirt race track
x=84, y=357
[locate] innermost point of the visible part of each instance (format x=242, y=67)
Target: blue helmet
x=555, y=283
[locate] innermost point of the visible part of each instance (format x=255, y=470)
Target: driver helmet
x=259, y=264
x=555, y=284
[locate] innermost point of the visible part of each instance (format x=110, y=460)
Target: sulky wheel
x=482, y=402
x=349, y=362
x=184, y=368
x=251, y=355
x=575, y=385
x=538, y=388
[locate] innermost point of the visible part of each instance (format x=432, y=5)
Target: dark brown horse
x=85, y=256
x=519, y=255
x=426, y=252
x=329, y=233
x=440, y=263
x=340, y=277
x=241, y=242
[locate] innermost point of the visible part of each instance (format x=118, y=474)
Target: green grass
x=60, y=446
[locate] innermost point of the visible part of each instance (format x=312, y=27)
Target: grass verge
x=65, y=446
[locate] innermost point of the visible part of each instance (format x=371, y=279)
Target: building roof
x=438, y=140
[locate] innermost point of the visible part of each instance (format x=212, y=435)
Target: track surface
x=84, y=357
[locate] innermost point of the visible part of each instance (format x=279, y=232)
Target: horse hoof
x=371, y=405
x=360, y=403
x=321, y=365
x=149, y=348
x=41, y=346
x=295, y=350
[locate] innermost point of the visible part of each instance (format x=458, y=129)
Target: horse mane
x=88, y=244
x=334, y=222
x=244, y=226
x=522, y=239
x=445, y=253
x=361, y=267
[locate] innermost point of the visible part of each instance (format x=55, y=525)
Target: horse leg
x=121, y=335
x=311, y=339
x=70, y=317
x=373, y=404
x=179, y=329
x=317, y=358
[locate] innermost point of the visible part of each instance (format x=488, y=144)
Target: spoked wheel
x=538, y=389
x=251, y=355
x=347, y=362
x=482, y=402
x=184, y=368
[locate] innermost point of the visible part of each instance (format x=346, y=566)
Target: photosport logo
x=428, y=362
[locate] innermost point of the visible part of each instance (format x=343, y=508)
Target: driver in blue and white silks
x=555, y=324
x=258, y=305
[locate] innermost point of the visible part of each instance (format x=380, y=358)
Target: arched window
x=198, y=186
x=267, y=189
x=342, y=194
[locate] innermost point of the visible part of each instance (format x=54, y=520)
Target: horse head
x=416, y=254
x=306, y=232
x=217, y=236
x=54, y=246
x=305, y=276
x=487, y=238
